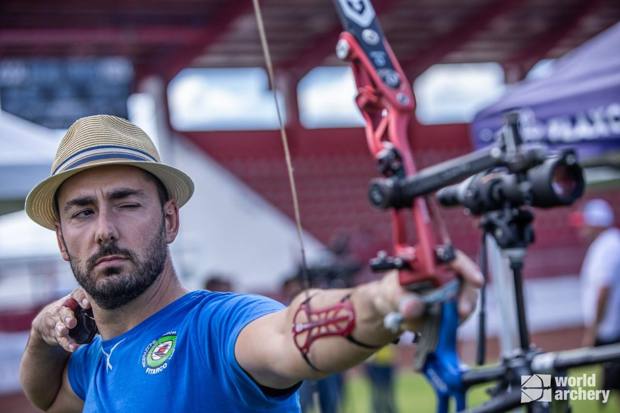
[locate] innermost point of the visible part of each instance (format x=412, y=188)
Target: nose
x=107, y=230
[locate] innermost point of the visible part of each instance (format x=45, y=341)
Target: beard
x=117, y=289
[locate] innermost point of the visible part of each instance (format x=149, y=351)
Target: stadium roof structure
x=162, y=37
x=165, y=36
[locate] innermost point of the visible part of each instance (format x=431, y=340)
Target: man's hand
x=43, y=366
x=393, y=297
x=53, y=323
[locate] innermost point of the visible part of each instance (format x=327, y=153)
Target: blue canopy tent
x=577, y=105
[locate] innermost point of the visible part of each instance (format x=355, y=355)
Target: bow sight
x=530, y=175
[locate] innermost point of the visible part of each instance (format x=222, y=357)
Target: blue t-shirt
x=180, y=359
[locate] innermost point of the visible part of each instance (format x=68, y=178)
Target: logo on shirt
x=157, y=354
x=108, y=356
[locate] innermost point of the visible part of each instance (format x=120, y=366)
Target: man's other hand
x=54, y=322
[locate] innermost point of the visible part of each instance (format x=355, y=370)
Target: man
x=600, y=278
x=114, y=208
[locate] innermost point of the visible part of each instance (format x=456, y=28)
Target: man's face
x=114, y=232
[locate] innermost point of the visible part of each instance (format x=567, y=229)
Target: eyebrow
x=115, y=195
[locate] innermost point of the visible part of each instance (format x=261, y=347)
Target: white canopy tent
x=25, y=158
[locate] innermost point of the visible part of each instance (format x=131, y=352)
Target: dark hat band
x=102, y=152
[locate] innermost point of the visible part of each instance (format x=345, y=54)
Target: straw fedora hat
x=98, y=140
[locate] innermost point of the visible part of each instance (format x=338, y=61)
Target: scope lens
x=556, y=182
x=565, y=181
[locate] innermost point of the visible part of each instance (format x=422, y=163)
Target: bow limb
x=442, y=367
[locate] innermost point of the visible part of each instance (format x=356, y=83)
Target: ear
x=171, y=220
x=61, y=243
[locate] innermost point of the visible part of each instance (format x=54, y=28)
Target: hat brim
x=40, y=201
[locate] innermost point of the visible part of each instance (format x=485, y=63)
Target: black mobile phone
x=86, y=328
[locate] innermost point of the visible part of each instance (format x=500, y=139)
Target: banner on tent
x=592, y=131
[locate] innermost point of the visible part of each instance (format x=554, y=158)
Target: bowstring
x=284, y=138
x=290, y=170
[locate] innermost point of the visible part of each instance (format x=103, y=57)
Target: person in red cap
x=600, y=279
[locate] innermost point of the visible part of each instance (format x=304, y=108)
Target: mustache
x=109, y=249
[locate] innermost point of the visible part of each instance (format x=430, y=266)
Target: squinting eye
x=130, y=206
x=82, y=214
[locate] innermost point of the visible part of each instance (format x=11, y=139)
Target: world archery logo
x=157, y=354
x=536, y=388
x=545, y=388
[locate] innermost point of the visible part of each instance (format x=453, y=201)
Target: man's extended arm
x=48, y=349
x=266, y=349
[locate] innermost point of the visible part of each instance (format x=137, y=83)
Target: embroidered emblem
x=157, y=354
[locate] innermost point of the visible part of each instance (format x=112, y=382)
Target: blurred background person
x=600, y=279
x=218, y=282
x=381, y=370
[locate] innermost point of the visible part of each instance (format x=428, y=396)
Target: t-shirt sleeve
x=232, y=314
x=79, y=370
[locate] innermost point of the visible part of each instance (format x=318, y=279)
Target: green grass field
x=414, y=395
